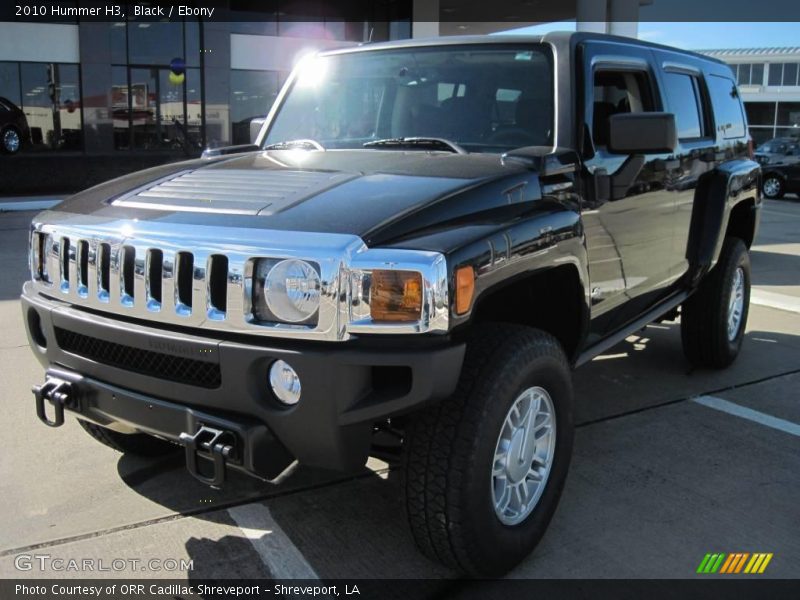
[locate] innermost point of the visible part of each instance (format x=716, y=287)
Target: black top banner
x=464, y=11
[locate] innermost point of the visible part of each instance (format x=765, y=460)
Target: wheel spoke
x=523, y=456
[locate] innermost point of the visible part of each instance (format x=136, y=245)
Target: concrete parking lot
x=669, y=464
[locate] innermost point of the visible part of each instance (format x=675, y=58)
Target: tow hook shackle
x=58, y=393
x=208, y=442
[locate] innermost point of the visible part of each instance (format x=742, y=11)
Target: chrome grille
x=202, y=275
x=147, y=280
x=197, y=276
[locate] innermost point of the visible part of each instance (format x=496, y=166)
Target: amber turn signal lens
x=395, y=296
x=465, y=289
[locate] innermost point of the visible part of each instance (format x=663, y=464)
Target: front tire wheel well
x=551, y=300
x=742, y=222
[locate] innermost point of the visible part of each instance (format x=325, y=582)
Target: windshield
x=483, y=98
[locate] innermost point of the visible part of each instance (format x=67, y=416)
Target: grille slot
x=155, y=268
x=217, y=286
x=63, y=259
x=39, y=258
x=179, y=369
x=184, y=265
x=83, y=268
x=127, y=258
x=104, y=272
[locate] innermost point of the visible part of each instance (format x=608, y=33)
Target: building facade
x=143, y=91
x=769, y=82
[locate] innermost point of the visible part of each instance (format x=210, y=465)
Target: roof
x=765, y=51
x=556, y=37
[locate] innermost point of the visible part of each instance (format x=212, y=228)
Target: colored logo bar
x=736, y=562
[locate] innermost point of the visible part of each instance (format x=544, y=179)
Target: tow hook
x=58, y=393
x=213, y=444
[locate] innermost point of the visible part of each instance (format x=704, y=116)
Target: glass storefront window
x=757, y=74
x=775, y=73
x=51, y=101
x=258, y=17
x=194, y=110
x=120, y=108
x=760, y=113
x=252, y=95
x=790, y=74
x=789, y=113
x=117, y=35
x=154, y=43
x=144, y=108
x=9, y=82
x=788, y=132
x=192, y=32
x=743, y=75
x=761, y=134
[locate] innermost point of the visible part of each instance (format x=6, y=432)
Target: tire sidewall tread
x=461, y=435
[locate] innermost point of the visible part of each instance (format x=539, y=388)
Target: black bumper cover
x=345, y=387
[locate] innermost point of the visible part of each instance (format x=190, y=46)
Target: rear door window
x=728, y=115
x=685, y=101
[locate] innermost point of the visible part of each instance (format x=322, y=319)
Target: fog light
x=285, y=382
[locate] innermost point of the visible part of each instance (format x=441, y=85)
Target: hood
x=359, y=192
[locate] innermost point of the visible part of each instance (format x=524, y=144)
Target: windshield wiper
x=289, y=144
x=411, y=142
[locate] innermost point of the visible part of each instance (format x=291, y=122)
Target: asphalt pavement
x=669, y=464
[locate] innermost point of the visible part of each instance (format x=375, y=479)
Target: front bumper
x=115, y=381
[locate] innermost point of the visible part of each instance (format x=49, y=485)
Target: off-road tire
x=139, y=444
x=450, y=451
x=704, y=316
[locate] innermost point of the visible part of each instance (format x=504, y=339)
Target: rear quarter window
x=728, y=113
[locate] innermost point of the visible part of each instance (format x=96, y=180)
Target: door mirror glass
x=642, y=133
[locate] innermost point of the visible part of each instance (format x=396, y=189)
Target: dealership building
x=769, y=82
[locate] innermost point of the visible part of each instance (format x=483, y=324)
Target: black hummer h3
x=426, y=234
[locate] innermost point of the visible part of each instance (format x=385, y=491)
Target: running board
x=649, y=317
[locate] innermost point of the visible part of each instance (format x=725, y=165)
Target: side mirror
x=642, y=133
x=255, y=128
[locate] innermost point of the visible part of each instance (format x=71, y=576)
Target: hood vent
x=231, y=191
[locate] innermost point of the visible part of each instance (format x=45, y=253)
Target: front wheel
x=714, y=318
x=485, y=468
x=772, y=187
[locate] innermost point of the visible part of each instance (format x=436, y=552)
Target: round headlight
x=285, y=382
x=292, y=290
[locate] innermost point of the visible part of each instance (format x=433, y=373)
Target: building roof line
x=761, y=51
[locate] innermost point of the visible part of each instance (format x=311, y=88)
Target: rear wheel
x=714, y=318
x=140, y=444
x=773, y=187
x=485, y=468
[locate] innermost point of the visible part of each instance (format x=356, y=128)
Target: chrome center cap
x=520, y=456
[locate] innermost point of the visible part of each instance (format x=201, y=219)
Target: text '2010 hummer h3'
x=425, y=237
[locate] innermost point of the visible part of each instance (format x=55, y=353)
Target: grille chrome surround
x=122, y=274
